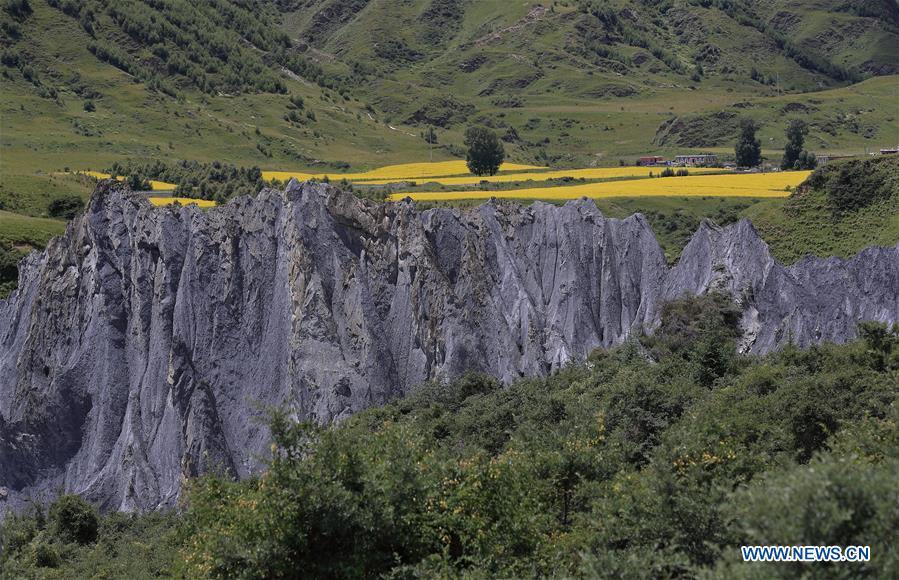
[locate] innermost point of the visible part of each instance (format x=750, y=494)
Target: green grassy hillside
x=88, y=83
x=814, y=220
x=584, y=82
x=50, y=75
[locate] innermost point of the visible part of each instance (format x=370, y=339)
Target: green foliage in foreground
x=658, y=458
x=70, y=540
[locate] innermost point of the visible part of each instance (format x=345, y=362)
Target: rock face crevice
x=140, y=346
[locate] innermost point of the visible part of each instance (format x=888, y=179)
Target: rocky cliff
x=140, y=345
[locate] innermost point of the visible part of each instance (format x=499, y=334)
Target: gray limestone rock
x=141, y=345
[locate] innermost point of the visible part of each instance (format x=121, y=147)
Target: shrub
x=830, y=502
x=66, y=207
x=297, y=102
x=8, y=263
x=18, y=530
x=74, y=520
x=45, y=555
x=855, y=184
x=17, y=8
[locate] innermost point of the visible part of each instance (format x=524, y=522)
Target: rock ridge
x=139, y=345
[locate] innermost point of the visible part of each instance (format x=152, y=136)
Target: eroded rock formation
x=140, y=346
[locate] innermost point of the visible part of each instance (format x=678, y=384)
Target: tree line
x=213, y=45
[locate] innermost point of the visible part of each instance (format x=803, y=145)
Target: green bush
x=856, y=184
x=17, y=8
x=18, y=530
x=66, y=207
x=74, y=520
x=45, y=555
x=833, y=501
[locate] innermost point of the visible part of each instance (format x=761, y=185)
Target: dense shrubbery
x=70, y=540
x=65, y=207
x=217, y=181
x=440, y=21
x=74, y=520
x=857, y=183
x=657, y=458
x=9, y=269
x=16, y=8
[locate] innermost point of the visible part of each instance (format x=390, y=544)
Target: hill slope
x=327, y=85
x=578, y=82
x=842, y=208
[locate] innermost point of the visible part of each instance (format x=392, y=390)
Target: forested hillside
x=660, y=457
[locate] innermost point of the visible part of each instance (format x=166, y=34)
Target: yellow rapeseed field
x=154, y=185
x=163, y=201
x=588, y=173
x=393, y=173
x=729, y=185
